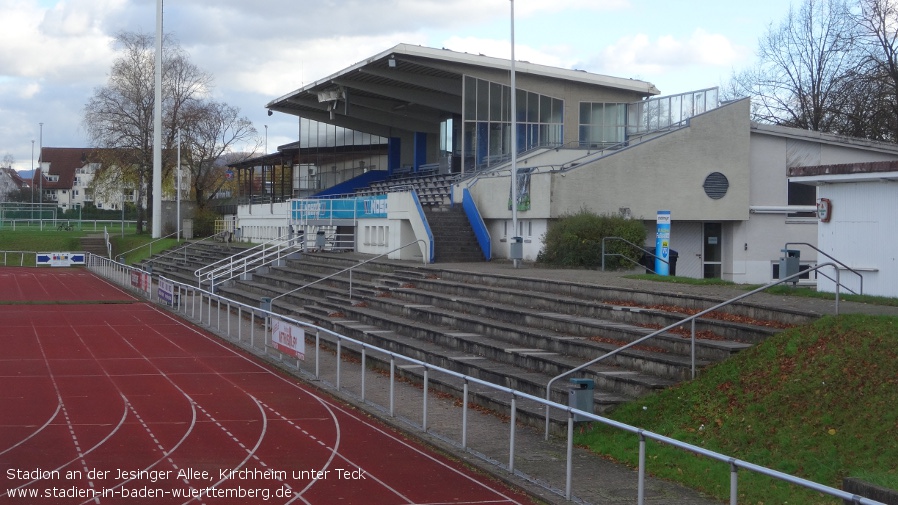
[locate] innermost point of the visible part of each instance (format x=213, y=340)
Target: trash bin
x=581, y=397
x=789, y=264
x=265, y=303
x=319, y=240
x=672, y=259
x=516, y=248
x=647, y=260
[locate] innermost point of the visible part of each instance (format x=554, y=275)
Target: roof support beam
x=433, y=99
x=440, y=84
x=360, y=112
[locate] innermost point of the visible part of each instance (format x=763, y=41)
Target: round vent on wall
x=716, y=185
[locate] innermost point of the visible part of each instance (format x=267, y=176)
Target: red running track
x=129, y=404
x=24, y=284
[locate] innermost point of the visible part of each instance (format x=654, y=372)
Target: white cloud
x=29, y=90
x=639, y=55
x=64, y=43
x=555, y=57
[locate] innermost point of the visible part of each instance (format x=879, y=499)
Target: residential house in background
x=10, y=181
x=65, y=175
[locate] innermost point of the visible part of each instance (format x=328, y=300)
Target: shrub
x=204, y=222
x=575, y=240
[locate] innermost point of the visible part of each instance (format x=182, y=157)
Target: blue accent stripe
x=480, y=231
x=426, y=224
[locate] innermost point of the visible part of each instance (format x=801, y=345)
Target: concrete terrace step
x=518, y=332
x=422, y=321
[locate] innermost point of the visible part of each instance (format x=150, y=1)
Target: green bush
x=575, y=240
x=204, y=222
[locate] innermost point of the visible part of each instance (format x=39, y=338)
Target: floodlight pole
x=514, y=143
x=40, y=168
x=32, y=181
x=157, y=130
x=178, y=203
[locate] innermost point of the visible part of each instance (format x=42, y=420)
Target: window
x=486, y=122
x=802, y=194
x=602, y=124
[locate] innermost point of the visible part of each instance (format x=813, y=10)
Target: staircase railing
x=349, y=269
x=834, y=260
x=201, y=271
x=243, y=263
x=624, y=256
x=183, y=249
x=690, y=319
x=148, y=244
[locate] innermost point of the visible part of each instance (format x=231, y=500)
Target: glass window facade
x=486, y=117
x=602, y=124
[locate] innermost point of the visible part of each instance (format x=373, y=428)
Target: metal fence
x=250, y=328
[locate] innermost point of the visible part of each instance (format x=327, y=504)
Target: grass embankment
x=817, y=401
x=140, y=247
x=33, y=241
x=51, y=240
x=776, y=290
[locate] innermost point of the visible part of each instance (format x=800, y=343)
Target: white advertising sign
x=288, y=339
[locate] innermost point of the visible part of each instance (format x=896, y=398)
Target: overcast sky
x=54, y=53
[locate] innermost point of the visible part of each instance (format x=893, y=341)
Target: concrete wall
x=263, y=222
x=668, y=173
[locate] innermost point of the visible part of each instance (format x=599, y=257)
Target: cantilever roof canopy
x=413, y=88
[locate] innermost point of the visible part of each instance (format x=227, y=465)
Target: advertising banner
x=59, y=259
x=141, y=281
x=288, y=339
x=662, y=243
x=166, y=291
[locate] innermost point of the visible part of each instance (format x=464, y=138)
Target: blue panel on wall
x=420, y=149
x=394, y=154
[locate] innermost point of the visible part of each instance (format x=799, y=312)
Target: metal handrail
x=116, y=271
x=246, y=262
x=148, y=244
x=183, y=248
x=834, y=260
x=626, y=258
x=349, y=269
x=691, y=319
x=203, y=270
x=20, y=253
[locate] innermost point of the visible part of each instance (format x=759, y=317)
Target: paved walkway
x=619, y=279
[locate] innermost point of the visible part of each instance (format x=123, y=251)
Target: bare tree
x=803, y=66
x=878, y=24
x=120, y=115
x=211, y=132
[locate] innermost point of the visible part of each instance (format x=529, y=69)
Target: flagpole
x=514, y=147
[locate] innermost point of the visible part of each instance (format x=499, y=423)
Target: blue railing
x=480, y=231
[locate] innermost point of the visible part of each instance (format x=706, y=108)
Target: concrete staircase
x=517, y=332
x=94, y=244
x=454, y=240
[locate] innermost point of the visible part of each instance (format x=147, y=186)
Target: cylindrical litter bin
x=516, y=248
x=319, y=240
x=581, y=397
x=789, y=264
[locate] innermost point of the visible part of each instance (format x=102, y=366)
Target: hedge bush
x=575, y=241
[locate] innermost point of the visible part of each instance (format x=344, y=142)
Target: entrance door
x=713, y=247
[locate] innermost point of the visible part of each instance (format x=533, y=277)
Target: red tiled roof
x=15, y=177
x=64, y=162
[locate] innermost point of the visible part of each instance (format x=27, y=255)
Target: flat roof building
x=584, y=140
